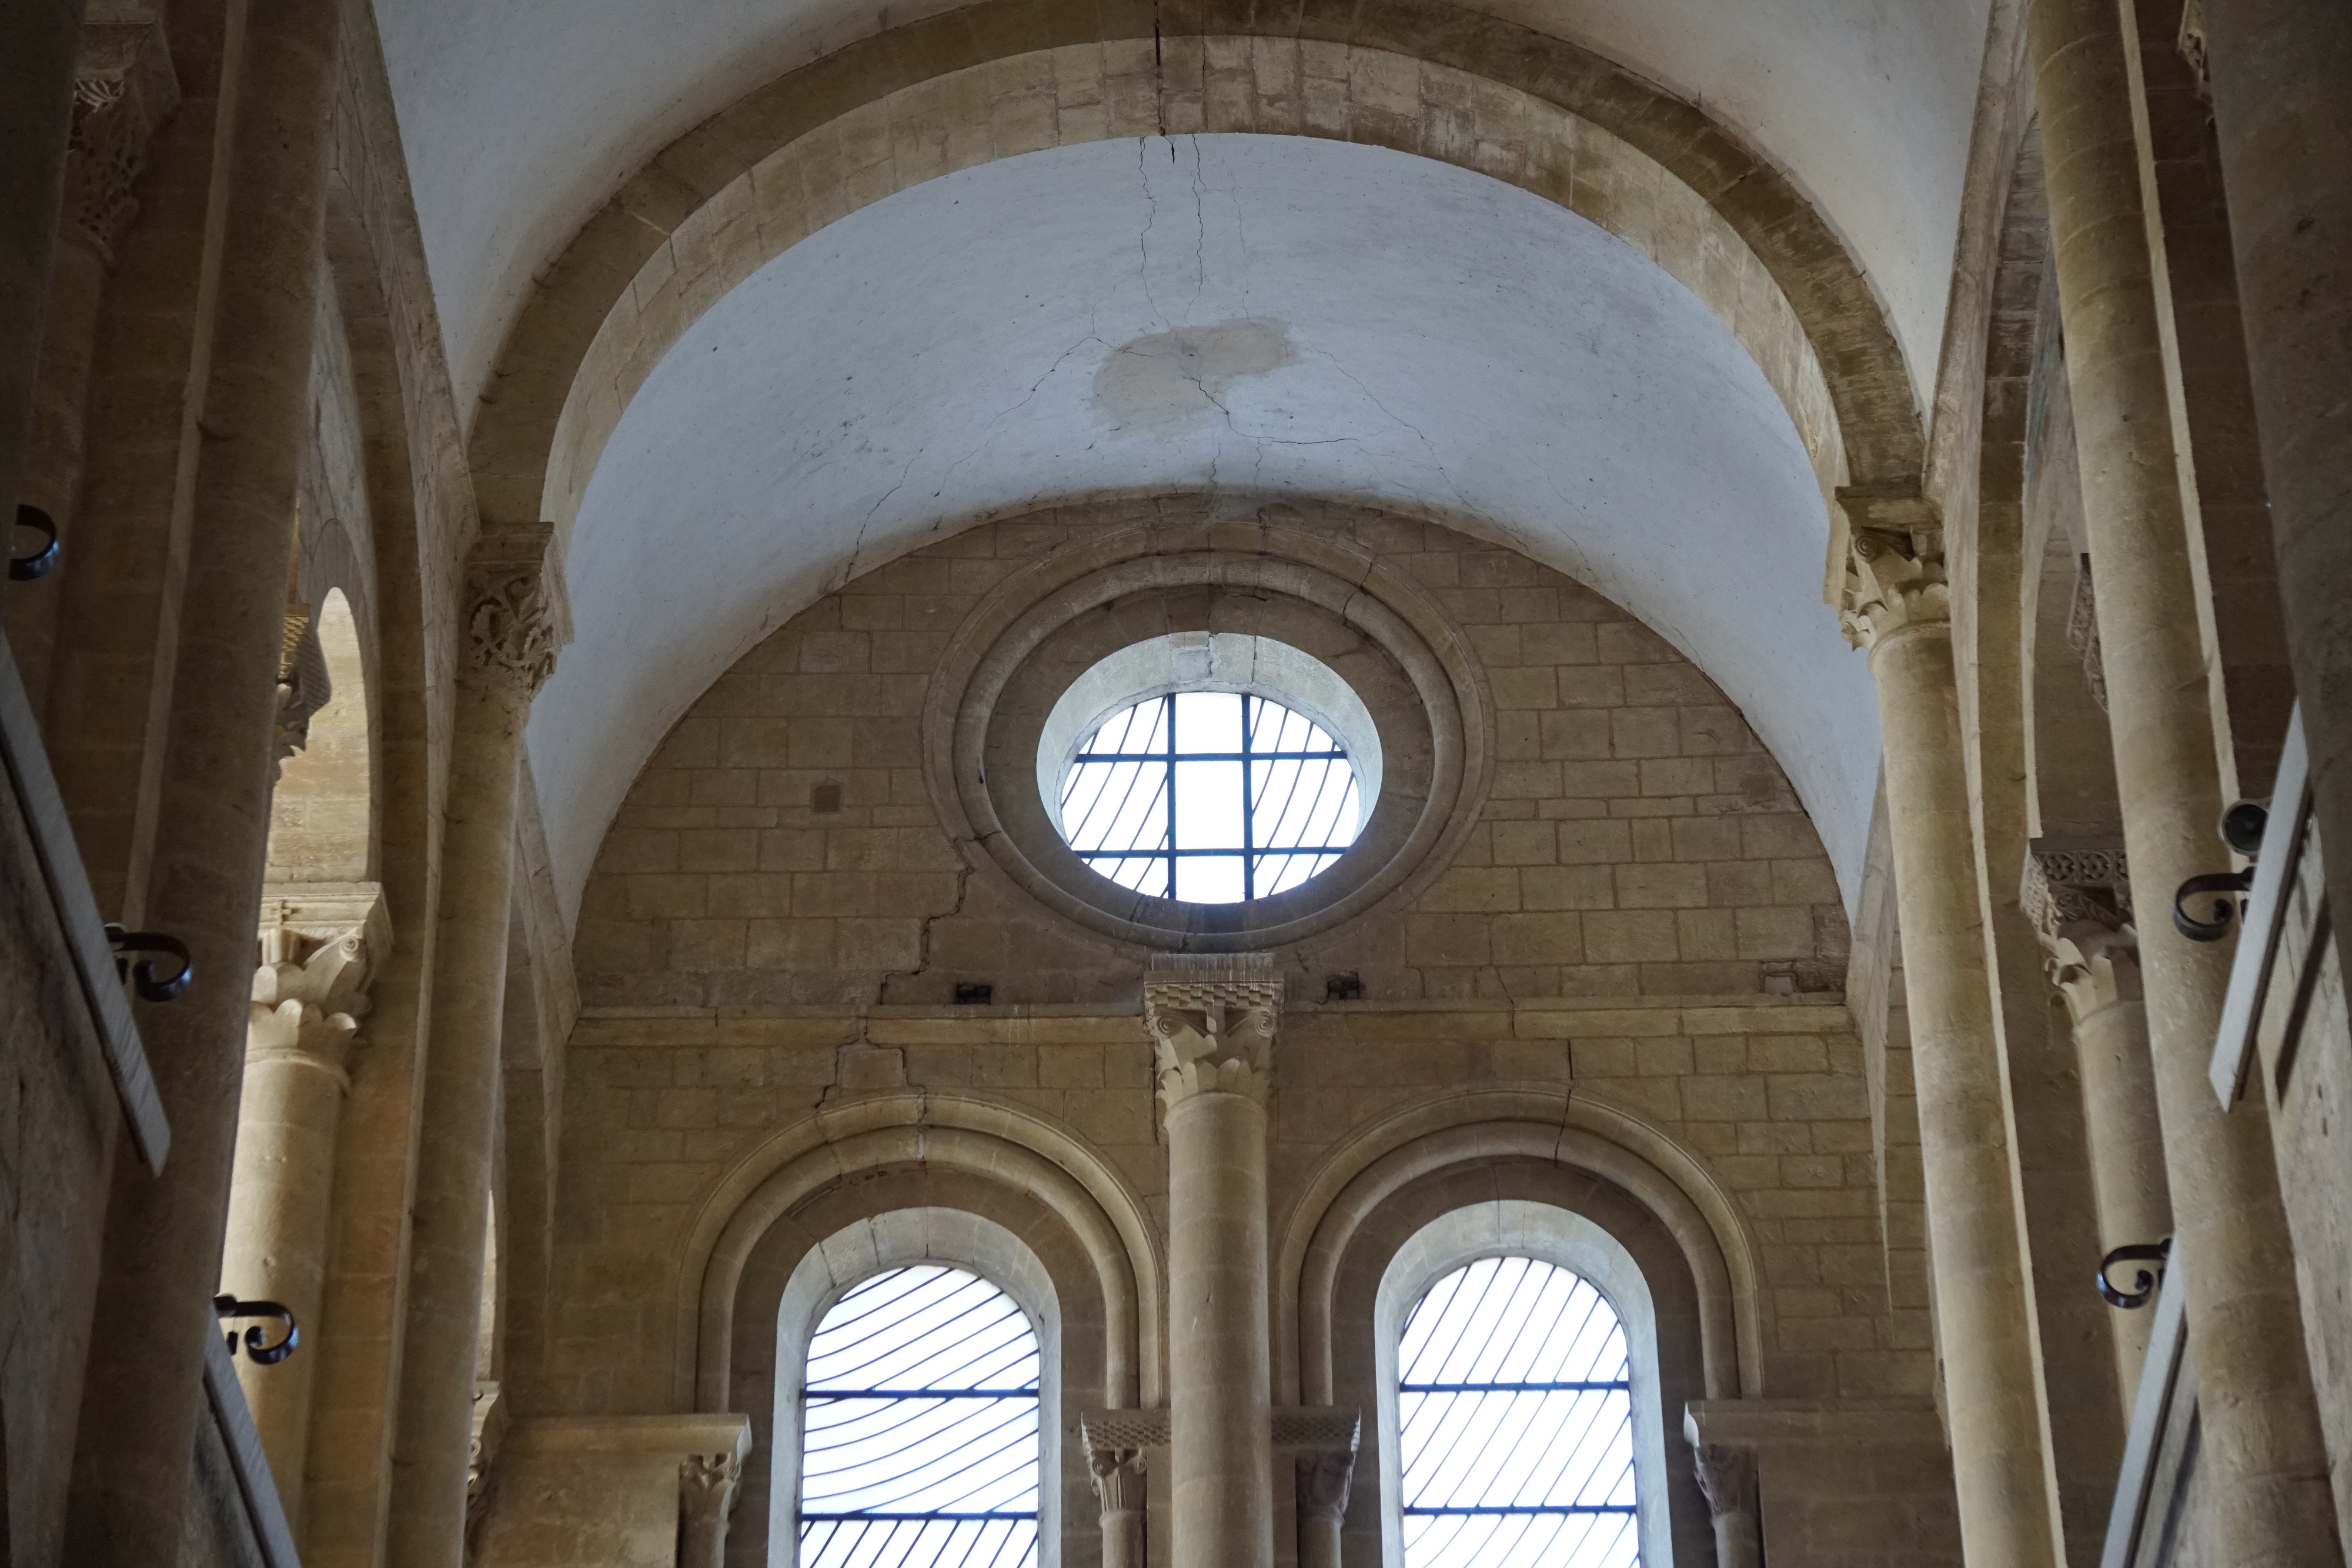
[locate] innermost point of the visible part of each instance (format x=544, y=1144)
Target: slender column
x=1897, y=606
x=1121, y=1488
x=318, y=947
x=2080, y=903
x=144, y=1394
x=1212, y=1021
x=2281, y=74
x=2261, y=1447
x=514, y=625
x=124, y=87
x=1726, y=1475
x=706, y=1496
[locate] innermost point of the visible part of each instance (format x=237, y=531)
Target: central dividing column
x=1897, y=606
x=514, y=625
x=1212, y=1021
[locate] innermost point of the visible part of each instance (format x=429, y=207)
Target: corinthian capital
x=2080, y=904
x=124, y=88
x=318, y=945
x=1893, y=567
x=707, y=1484
x=516, y=615
x=1212, y=1019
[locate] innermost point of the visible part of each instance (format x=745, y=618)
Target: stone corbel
x=319, y=946
x=124, y=87
x=1212, y=1019
x=517, y=615
x=1892, y=571
x=2080, y=903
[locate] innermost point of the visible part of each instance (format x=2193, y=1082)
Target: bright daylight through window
x=919, y=1437
x=1515, y=1418
x=1210, y=797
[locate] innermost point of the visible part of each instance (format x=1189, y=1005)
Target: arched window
x=1515, y=1418
x=920, y=1441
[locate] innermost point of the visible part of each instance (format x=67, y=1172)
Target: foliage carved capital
x=515, y=616
x=1893, y=567
x=1212, y=1020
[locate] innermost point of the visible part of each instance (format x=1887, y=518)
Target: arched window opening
x=322, y=808
x=919, y=1437
x=1514, y=1416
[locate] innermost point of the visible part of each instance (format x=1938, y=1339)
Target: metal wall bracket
x=2143, y=1281
x=26, y=567
x=151, y=987
x=257, y=1347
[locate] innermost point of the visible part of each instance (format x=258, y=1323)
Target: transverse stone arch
x=984, y=1141
x=616, y=261
x=1484, y=1126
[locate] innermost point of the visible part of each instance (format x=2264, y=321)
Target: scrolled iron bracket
x=257, y=1347
x=2144, y=1280
x=26, y=567
x=141, y=974
x=2221, y=884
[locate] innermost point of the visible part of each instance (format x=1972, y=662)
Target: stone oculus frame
x=1265, y=575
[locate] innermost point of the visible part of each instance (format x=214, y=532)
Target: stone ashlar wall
x=1636, y=839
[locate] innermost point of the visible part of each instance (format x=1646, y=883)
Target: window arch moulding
x=1483, y=1125
x=996, y=1142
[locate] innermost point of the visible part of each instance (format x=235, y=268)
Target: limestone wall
x=1636, y=839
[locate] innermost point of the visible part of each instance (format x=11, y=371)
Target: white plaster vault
x=1235, y=312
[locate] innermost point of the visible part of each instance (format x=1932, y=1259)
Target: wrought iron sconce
x=26, y=567
x=2241, y=829
x=150, y=986
x=257, y=1348
x=2144, y=1280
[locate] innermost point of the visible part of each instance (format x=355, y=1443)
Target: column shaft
x=1984, y=1318
x=144, y=1393
x=460, y=1130
x=2119, y=1118
x=515, y=621
x=1220, y=1404
x=2281, y=80
x=2262, y=1449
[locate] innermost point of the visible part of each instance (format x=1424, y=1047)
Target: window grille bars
x=1515, y=1414
x=1124, y=809
x=919, y=1427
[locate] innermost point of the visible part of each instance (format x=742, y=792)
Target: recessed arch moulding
x=1236, y=315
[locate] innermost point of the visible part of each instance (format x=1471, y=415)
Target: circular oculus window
x=1231, y=767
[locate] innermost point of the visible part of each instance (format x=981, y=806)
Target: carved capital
x=318, y=948
x=2080, y=903
x=482, y=1450
x=1726, y=1475
x=1894, y=566
x=124, y=88
x=516, y=615
x=1324, y=1477
x=303, y=686
x=1212, y=1019
x=705, y=1485
x=1120, y=1479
